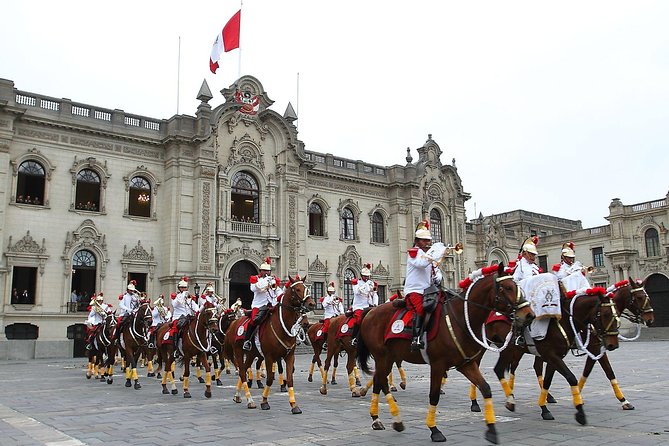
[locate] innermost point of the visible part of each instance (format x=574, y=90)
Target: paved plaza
x=49, y=402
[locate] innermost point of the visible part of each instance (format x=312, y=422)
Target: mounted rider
x=183, y=305
x=364, y=296
x=160, y=314
x=96, y=316
x=128, y=305
x=570, y=271
x=264, y=288
x=423, y=276
x=332, y=307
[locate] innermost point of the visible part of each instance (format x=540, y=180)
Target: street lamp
x=197, y=290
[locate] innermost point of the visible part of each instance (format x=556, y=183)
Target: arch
x=141, y=187
x=497, y=256
x=378, y=226
x=657, y=287
x=31, y=175
x=318, y=221
x=652, y=242
x=239, y=282
x=349, y=218
x=436, y=225
x=89, y=238
x=21, y=330
x=347, y=288
x=89, y=181
x=245, y=197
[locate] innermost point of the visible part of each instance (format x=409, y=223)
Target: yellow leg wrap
x=351, y=382
x=370, y=383
x=265, y=392
x=258, y=377
x=239, y=384
x=443, y=381
x=249, y=375
x=540, y=378
x=247, y=392
x=394, y=409
x=472, y=392
x=198, y=373
x=150, y=367
x=163, y=380
x=616, y=390
x=542, y=397
x=512, y=381
x=582, y=380
x=390, y=379
x=355, y=372
x=111, y=370
x=174, y=366
x=274, y=367
x=186, y=380
x=217, y=373
x=291, y=395
x=403, y=376
x=374, y=405
x=207, y=379
x=128, y=373
x=505, y=386
x=324, y=375
x=488, y=411
x=281, y=379
x=171, y=377
x=90, y=368
x=431, y=418
x=134, y=374
x=576, y=395
x=334, y=372
x=311, y=368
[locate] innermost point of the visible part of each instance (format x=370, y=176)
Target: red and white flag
x=227, y=40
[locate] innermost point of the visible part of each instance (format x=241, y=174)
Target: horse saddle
x=346, y=328
x=400, y=325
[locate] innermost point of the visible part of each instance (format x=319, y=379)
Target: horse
x=103, y=350
x=218, y=337
x=335, y=347
x=454, y=346
x=196, y=341
x=133, y=336
x=275, y=338
x=578, y=312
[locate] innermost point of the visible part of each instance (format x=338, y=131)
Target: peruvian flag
x=225, y=41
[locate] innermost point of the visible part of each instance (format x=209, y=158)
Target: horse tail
x=363, y=351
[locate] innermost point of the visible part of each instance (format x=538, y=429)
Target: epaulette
x=354, y=281
x=413, y=252
x=557, y=267
x=253, y=279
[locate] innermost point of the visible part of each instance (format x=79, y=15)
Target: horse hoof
x=260, y=385
x=128, y=383
x=158, y=375
x=355, y=394
x=333, y=382
x=237, y=399
x=201, y=380
x=88, y=376
x=550, y=399
x=403, y=386
x=628, y=406
x=227, y=372
x=580, y=415
x=491, y=437
x=251, y=406
x=546, y=414
x=441, y=392
x=181, y=378
x=175, y=391
x=283, y=388
x=436, y=435
x=475, y=406
x=323, y=390
x=310, y=378
x=166, y=392
x=264, y=406
x=296, y=410
x=219, y=382
x=377, y=425
x=358, y=383
x=187, y=394
x=398, y=426
x=511, y=407
x=249, y=383
x=109, y=381
x=393, y=389
x=150, y=375
x=138, y=386
x=207, y=394
x=363, y=391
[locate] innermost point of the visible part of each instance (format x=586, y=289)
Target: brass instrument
x=457, y=249
x=438, y=251
x=162, y=311
x=588, y=270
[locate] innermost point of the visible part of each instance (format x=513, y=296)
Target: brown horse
x=275, y=338
x=132, y=338
x=196, y=341
x=578, y=313
x=217, y=340
x=454, y=346
x=335, y=347
x=103, y=351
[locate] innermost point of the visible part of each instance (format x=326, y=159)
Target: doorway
x=657, y=287
x=240, y=286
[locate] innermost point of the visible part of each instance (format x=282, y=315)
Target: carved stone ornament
x=137, y=253
x=86, y=236
x=380, y=270
x=317, y=266
x=350, y=259
x=245, y=151
x=27, y=251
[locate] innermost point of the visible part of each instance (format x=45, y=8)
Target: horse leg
x=356, y=372
x=282, y=382
x=264, y=404
x=506, y=358
x=135, y=376
x=608, y=370
x=259, y=365
x=390, y=381
x=89, y=371
x=207, y=375
x=472, y=372
x=558, y=364
x=244, y=363
x=539, y=370
x=290, y=368
x=324, y=375
x=186, y=374
x=163, y=380
x=351, y=369
x=403, y=376
x=333, y=381
x=217, y=359
x=381, y=385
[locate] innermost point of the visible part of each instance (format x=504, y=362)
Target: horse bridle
x=134, y=332
x=637, y=312
x=520, y=302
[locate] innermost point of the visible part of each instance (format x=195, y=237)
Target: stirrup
x=325, y=346
x=520, y=341
x=417, y=344
x=89, y=346
x=247, y=345
x=151, y=345
x=354, y=342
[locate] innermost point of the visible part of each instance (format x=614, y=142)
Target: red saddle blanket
x=240, y=335
x=346, y=328
x=401, y=324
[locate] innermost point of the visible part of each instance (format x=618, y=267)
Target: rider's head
x=530, y=249
x=265, y=267
x=331, y=288
x=366, y=272
x=423, y=237
x=183, y=284
x=567, y=253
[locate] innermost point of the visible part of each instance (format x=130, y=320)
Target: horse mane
x=481, y=273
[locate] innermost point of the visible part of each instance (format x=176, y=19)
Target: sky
x=550, y=107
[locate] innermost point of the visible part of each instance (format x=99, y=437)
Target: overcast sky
x=551, y=107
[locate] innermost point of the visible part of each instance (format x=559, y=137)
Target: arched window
x=378, y=229
x=139, y=199
x=347, y=225
x=435, y=226
x=316, y=219
x=652, y=243
x=348, y=287
x=84, y=275
x=245, y=198
x=30, y=183
x=87, y=197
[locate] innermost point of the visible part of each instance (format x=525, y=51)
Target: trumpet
x=457, y=248
x=588, y=269
x=438, y=251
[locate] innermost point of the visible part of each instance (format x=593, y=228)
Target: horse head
x=144, y=316
x=209, y=318
x=509, y=298
x=296, y=295
x=639, y=302
x=602, y=314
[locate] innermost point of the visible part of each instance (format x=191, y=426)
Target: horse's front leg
x=290, y=368
x=269, y=362
x=207, y=375
x=539, y=372
x=556, y=363
x=472, y=372
x=135, y=376
x=351, y=369
x=324, y=375
x=244, y=362
x=186, y=375
x=608, y=370
x=383, y=367
x=504, y=362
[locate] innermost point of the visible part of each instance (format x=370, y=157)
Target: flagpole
x=297, y=104
x=178, y=73
x=239, y=59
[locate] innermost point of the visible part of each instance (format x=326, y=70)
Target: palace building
x=93, y=198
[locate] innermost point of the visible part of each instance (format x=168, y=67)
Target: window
x=22, y=331
x=598, y=257
x=382, y=294
x=348, y=288
x=435, y=225
x=245, y=198
x=316, y=293
x=347, y=227
x=601, y=284
x=87, y=197
x=543, y=263
x=316, y=219
x=139, y=200
x=652, y=243
x=84, y=276
x=24, y=280
x=30, y=183
x=378, y=233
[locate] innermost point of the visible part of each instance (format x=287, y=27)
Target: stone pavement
x=49, y=402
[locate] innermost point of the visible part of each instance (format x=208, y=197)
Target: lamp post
x=197, y=290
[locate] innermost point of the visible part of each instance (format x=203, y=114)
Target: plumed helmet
x=423, y=230
x=568, y=249
x=530, y=245
x=331, y=287
x=266, y=264
x=183, y=283
x=209, y=288
x=131, y=286
x=100, y=297
x=366, y=270
x=159, y=302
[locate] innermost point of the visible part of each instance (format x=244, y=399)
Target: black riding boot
x=417, y=333
x=354, y=335
x=248, y=346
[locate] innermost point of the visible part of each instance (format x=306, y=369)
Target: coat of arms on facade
x=250, y=102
